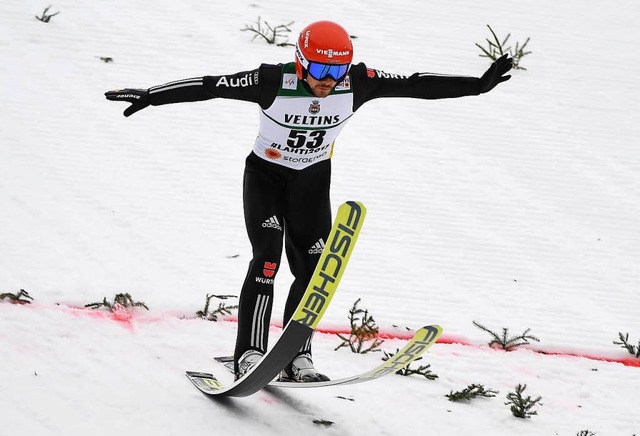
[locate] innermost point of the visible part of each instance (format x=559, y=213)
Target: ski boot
x=301, y=370
x=247, y=361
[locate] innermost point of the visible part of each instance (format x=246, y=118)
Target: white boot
x=302, y=370
x=247, y=361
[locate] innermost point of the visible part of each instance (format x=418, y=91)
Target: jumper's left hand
x=496, y=73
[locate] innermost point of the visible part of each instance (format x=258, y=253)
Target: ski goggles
x=321, y=71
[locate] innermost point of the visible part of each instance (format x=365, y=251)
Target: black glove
x=139, y=99
x=495, y=73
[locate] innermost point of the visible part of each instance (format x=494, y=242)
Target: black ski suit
x=287, y=175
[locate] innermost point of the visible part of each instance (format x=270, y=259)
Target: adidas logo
x=317, y=247
x=272, y=223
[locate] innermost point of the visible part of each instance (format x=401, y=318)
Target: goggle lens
x=321, y=71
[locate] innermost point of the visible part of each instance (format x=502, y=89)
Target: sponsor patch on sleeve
x=345, y=85
x=289, y=81
x=371, y=73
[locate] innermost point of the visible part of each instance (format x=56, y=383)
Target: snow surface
x=516, y=209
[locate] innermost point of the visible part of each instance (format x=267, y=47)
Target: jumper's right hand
x=139, y=99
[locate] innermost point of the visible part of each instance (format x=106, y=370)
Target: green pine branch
x=496, y=48
x=423, y=370
x=470, y=392
x=222, y=309
x=323, y=422
x=634, y=350
x=20, y=297
x=504, y=341
x=520, y=406
x=119, y=301
x=46, y=16
x=270, y=34
x=363, y=337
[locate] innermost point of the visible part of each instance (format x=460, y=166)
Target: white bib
x=298, y=129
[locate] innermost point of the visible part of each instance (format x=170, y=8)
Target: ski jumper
x=287, y=174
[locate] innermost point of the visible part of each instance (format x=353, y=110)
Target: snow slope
x=517, y=209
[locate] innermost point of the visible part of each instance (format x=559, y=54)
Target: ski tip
x=356, y=205
x=431, y=332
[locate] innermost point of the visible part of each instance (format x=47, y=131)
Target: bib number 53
x=310, y=139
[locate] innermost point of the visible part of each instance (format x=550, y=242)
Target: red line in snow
x=635, y=362
x=129, y=318
x=450, y=339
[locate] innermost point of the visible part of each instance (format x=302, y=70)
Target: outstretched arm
x=257, y=86
x=369, y=84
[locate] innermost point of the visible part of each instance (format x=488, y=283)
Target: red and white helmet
x=323, y=49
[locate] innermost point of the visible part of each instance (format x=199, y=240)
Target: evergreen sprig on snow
x=470, y=392
x=585, y=433
x=270, y=34
x=21, y=297
x=120, y=301
x=634, y=350
x=46, y=16
x=363, y=337
x=496, y=48
x=504, y=341
x=323, y=422
x=423, y=370
x=222, y=309
x=520, y=406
